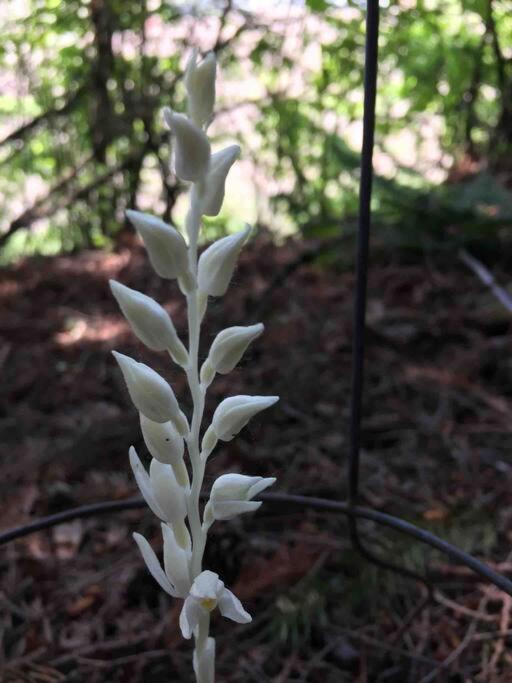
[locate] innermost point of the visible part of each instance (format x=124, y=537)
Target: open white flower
x=220, y=164
x=232, y=495
x=150, y=322
x=207, y=593
x=217, y=263
x=227, y=349
x=200, y=85
x=191, y=149
x=150, y=393
x=166, y=248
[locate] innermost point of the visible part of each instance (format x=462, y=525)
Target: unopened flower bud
x=192, y=147
x=150, y=393
x=235, y=412
x=167, y=250
x=232, y=495
x=229, y=346
x=217, y=263
x=209, y=442
x=200, y=85
x=149, y=321
x=215, y=182
x=166, y=445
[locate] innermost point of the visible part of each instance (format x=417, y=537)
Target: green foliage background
x=84, y=118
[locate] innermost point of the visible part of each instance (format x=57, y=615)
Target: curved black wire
x=344, y=508
x=358, y=332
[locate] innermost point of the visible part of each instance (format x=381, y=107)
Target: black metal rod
x=343, y=508
x=363, y=240
x=360, y=295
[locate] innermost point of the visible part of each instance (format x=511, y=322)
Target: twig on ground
x=485, y=276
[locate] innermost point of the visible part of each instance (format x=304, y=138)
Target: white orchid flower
x=150, y=393
x=150, y=322
x=191, y=149
x=232, y=495
x=207, y=593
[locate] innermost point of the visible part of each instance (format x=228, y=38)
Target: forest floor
x=76, y=603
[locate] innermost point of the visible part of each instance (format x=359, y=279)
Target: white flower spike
x=232, y=495
x=169, y=490
x=207, y=593
x=149, y=321
x=192, y=147
x=200, y=85
x=217, y=263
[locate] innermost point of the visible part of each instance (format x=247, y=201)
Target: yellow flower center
x=209, y=604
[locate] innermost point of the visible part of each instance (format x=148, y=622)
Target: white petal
x=169, y=495
x=231, y=608
x=149, y=321
x=200, y=85
x=189, y=617
x=150, y=393
x=153, y=565
x=191, y=148
x=229, y=346
x=215, y=182
x=176, y=562
x=144, y=483
x=235, y=412
x=261, y=485
x=223, y=510
x=167, y=250
x=233, y=486
x=217, y=263
x=163, y=441
x=207, y=586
